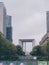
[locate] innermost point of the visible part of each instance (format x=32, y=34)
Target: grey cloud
x=28, y=18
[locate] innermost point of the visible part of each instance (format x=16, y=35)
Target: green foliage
x=7, y=50
x=19, y=51
x=42, y=52
x=36, y=51
x=47, y=48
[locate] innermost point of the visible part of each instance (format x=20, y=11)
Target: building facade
x=46, y=36
x=24, y=43
x=44, y=39
x=9, y=28
x=2, y=19
x=47, y=20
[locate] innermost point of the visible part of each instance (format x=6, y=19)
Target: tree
x=7, y=49
x=47, y=48
x=36, y=51
x=19, y=50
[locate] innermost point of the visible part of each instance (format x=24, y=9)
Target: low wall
x=24, y=63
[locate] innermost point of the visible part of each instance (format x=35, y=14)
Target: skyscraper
x=2, y=19
x=8, y=28
x=46, y=36
x=47, y=15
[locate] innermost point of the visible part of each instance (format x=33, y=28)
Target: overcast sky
x=28, y=18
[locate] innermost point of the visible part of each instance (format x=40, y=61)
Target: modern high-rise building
x=46, y=36
x=47, y=15
x=9, y=28
x=2, y=19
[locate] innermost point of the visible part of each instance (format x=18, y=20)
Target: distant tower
x=8, y=28
x=47, y=21
x=2, y=19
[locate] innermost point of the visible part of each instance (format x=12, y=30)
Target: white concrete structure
x=24, y=43
x=2, y=18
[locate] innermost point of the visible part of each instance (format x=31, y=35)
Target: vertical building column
x=25, y=47
x=22, y=45
x=33, y=43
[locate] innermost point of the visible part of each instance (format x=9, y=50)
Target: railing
x=26, y=58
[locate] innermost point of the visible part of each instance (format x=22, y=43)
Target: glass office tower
x=9, y=28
